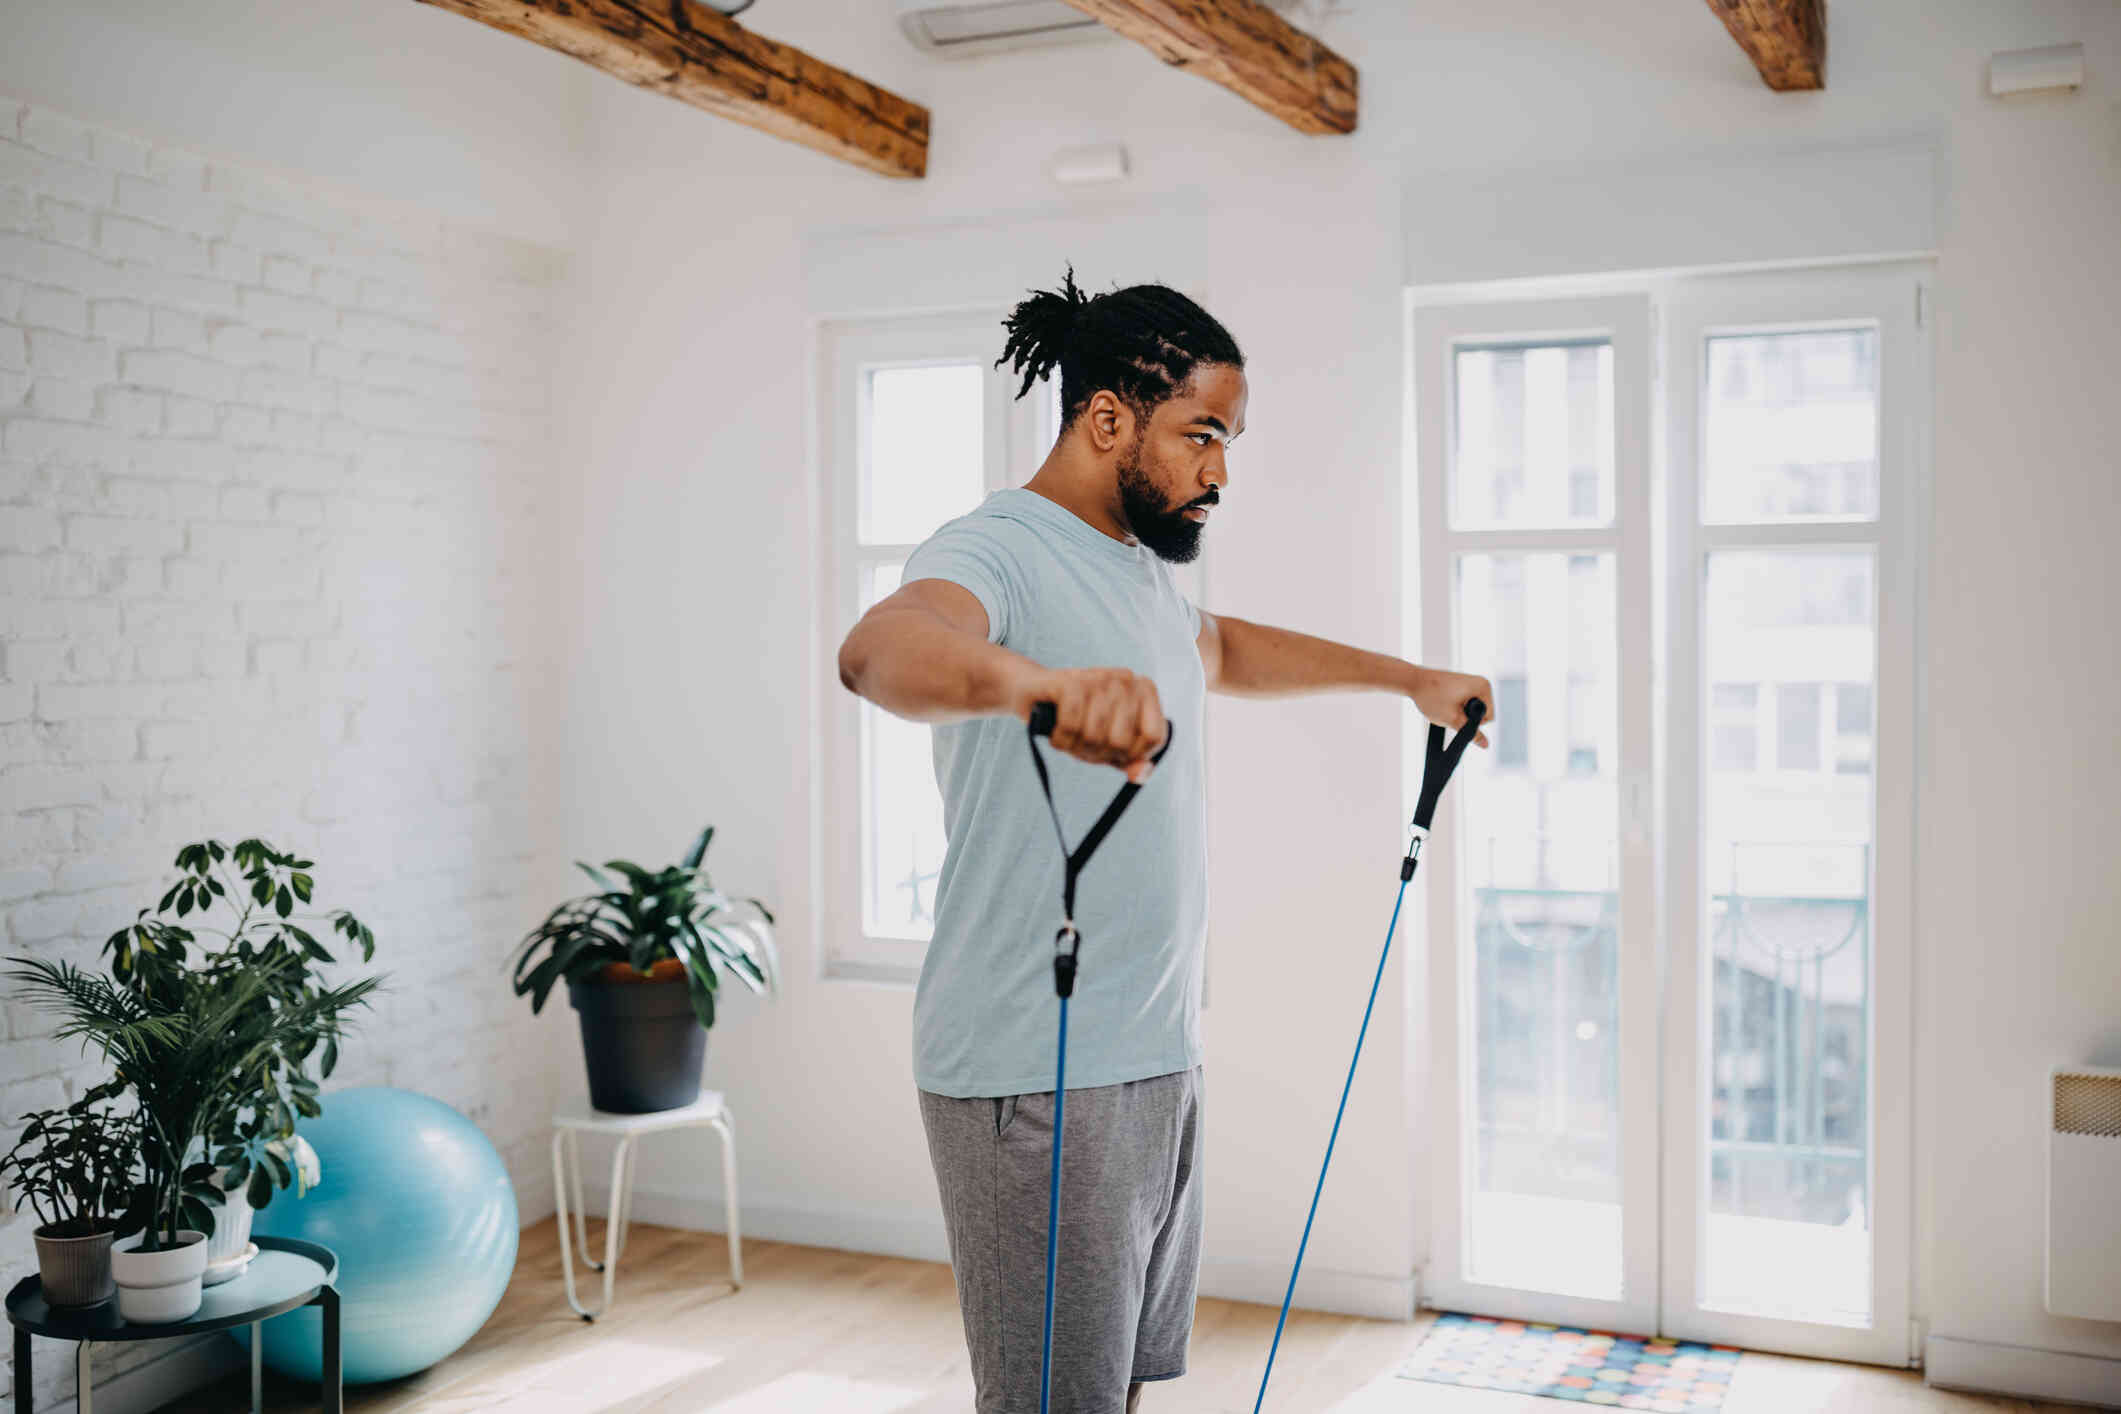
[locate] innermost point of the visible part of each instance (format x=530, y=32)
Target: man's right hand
x=1106, y=716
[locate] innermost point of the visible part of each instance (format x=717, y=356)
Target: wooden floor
x=823, y=1332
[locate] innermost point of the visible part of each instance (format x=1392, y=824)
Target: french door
x=1796, y=411
x=1668, y=915
x=1536, y=572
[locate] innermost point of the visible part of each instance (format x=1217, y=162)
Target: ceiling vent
x=960, y=29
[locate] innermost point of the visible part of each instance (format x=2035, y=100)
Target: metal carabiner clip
x=1064, y=958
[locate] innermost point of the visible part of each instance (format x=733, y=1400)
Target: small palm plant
x=655, y=925
x=200, y=1050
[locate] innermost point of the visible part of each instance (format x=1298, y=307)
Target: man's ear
x=1109, y=420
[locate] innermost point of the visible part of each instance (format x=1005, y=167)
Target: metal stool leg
x=257, y=1367
x=616, y=1202
x=724, y=1124
x=25, y=1377
x=559, y=1193
x=622, y=1197
x=581, y=1207
x=84, y=1381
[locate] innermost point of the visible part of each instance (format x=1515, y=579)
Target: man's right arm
x=923, y=654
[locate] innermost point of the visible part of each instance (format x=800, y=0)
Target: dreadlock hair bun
x=1040, y=330
x=1142, y=343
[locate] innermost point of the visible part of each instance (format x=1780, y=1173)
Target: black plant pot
x=641, y=1042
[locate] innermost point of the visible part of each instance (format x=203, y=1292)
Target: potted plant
x=643, y=958
x=74, y=1167
x=214, y=1044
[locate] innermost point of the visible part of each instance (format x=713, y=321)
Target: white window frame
x=1017, y=435
x=1665, y=813
x=1437, y=334
x=1892, y=297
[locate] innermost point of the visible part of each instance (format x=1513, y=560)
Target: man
x=1057, y=591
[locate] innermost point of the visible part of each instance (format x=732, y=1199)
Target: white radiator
x=2084, y=1194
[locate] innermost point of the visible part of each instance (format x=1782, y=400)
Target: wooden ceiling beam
x=1785, y=39
x=700, y=56
x=1248, y=49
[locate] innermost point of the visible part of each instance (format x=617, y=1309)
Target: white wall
x=393, y=100
x=679, y=593
x=696, y=514
x=274, y=473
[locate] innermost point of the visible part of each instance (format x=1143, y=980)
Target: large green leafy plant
x=642, y=918
x=215, y=1042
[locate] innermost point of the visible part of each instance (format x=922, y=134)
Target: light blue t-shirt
x=1065, y=595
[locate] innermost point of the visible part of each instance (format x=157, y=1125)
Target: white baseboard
x=1317, y=1289
x=2024, y=1373
x=923, y=1239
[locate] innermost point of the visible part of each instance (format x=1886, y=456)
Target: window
x=920, y=463
x=1533, y=439
x=1667, y=954
x=918, y=428
x=1792, y=427
x=1734, y=726
x=1530, y=502
x=1797, y=726
x=1852, y=728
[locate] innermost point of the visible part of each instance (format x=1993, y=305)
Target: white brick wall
x=272, y=461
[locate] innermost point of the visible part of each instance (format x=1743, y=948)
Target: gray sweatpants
x=1130, y=1217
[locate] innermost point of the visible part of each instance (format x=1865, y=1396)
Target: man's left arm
x=1246, y=659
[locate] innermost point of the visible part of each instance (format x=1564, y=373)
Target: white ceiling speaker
x=2029, y=70
x=963, y=29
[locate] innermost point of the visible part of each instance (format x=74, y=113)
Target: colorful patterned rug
x=1560, y=1362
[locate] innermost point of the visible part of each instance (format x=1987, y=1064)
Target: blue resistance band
x=1441, y=762
x=1436, y=774
x=1043, y=717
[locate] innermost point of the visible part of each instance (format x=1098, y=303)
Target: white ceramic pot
x=158, y=1287
x=231, y=1222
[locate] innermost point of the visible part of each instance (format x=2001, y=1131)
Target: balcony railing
x=1789, y=1082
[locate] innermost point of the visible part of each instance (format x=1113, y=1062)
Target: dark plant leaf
x=699, y=848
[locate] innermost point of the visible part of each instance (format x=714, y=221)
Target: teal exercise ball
x=418, y=1207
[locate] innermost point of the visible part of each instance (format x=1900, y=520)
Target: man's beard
x=1154, y=521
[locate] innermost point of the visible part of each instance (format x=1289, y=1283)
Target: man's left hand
x=1441, y=697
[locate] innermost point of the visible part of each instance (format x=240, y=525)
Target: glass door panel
x=1537, y=838
x=1790, y=642
x=1794, y=403
x=1533, y=503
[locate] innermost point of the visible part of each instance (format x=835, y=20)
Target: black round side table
x=285, y=1274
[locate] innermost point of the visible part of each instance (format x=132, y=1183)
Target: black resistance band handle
x=1443, y=760
x=1041, y=722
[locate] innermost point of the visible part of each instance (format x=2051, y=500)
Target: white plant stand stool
x=569, y=1124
